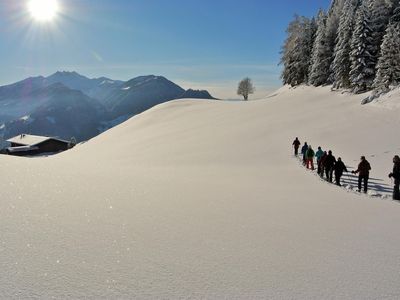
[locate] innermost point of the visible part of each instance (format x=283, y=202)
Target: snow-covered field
x=203, y=199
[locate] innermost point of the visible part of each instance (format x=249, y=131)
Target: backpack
x=310, y=153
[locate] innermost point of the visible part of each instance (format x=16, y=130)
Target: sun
x=43, y=10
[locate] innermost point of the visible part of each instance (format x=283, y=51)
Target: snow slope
x=203, y=199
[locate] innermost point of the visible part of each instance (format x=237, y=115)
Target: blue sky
x=208, y=44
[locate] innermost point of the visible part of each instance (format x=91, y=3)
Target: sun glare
x=43, y=10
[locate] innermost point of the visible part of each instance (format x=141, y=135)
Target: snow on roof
x=31, y=140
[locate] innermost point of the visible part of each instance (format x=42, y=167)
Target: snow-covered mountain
x=204, y=200
x=85, y=107
x=58, y=111
x=23, y=97
x=21, y=89
x=142, y=93
x=97, y=88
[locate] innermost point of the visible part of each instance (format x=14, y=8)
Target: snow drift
x=203, y=199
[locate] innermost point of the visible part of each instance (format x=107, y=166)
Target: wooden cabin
x=26, y=144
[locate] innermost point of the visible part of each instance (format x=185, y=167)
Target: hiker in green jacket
x=310, y=158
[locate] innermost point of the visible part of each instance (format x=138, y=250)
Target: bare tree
x=246, y=88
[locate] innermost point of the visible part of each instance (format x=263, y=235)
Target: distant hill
x=196, y=94
x=67, y=104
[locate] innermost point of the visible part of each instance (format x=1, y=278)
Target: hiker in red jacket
x=363, y=173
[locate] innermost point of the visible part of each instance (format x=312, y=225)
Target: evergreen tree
x=381, y=11
x=296, y=51
x=309, y=34
x=388, y=68
x=341, y=63
x=331, y=31
x=361, y=56
x=287, y=52
x=320, y=60
x=356, y=44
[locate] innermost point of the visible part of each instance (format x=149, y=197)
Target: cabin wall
x=25, y=153
x=16, y=145
x=52, y=146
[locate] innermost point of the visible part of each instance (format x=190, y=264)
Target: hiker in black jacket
x=339, y=168
x=329, y=163
x=296, y=144
x=396, y=175
x=321, y=164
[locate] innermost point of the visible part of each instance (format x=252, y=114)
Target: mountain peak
x=63, y=74
x=146, y=79
x=66, y=73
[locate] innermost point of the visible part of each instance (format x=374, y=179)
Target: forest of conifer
x=355, y=45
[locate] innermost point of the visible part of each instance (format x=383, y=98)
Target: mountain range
x=67, y=104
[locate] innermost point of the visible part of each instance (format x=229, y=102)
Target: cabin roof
x=32, y=140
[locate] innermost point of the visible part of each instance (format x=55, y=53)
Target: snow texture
x=204, y=200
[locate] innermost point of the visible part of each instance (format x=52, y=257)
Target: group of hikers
x=328, y=165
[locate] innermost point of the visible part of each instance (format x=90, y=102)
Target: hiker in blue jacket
x=304, y=152
x=319, y=155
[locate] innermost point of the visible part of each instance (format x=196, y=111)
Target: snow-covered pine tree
x=321, y=55
x=296, y=51
x=288, y=51
x=381, y=11
x=310, y=30
x=303, y=49
x=361, y=56
x=341, y=62
x=331, y=31
x=388, y=68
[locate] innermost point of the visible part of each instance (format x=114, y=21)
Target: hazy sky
x=207, y=44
